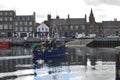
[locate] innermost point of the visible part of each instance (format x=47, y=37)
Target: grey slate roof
x=24, y=17
x=116, y=23
x=77, y=21
x=58, y=21
x=71, y=21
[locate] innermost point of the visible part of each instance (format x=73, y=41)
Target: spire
x=91, y=13
x=91, y=17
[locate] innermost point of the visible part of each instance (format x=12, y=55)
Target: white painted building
x=42, y=30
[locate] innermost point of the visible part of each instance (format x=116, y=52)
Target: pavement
x=78, y=42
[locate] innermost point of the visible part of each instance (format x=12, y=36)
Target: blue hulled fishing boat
x=53, y=52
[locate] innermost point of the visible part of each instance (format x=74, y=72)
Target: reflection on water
x=10, y=58
x=15, y=51
x=80, y=55
x=16, y=58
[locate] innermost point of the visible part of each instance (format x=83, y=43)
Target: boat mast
x=54, y=29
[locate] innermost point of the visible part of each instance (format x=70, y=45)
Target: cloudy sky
x=103, y=9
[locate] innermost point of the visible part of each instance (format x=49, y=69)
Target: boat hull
x=55, y=55
x=5, y=45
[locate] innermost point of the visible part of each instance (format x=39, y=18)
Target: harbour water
x=84, y=63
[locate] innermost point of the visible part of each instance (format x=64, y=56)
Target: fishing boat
x=54, y=54
x=5, y=45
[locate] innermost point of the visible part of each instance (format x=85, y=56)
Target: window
x=25, y=23
x=1, y=13
x=77, y=27
x=18, y=18
x=21, y=23
x=71, y=27
x=5, y=13
x=30, y=28
x=43, y=34
x=21, y=28
x=1, y=26
x=30, y=23
x=1, y=19
x=28, y=18
x=42, y=29
x=10, y=13
x=26, y=29
x=23, y=18
x=5, y=26
x=38, y=29
x=6, y=19
x=83, y=27
x=16, y=23
x=11, y=18
x=10, y=26
x=16, y=28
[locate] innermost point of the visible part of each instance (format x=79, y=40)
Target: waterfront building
x=111, y=28
x=104, y=28
x=92, y=23
x=42, y=30
x=6, y=23
x=12, y=25
x=67, y=27
x=94, y=27
x=70, y=26
x=24, y=26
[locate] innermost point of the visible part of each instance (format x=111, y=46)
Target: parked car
x=112, y=36
x=78, y=36
x=91, y=36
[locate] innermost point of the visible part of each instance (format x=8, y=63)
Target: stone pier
x=78, y=42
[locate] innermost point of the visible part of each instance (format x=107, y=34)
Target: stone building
x=70, y=26
x=104, y=28
x=67, y=27
x=92, y=23
x=94, y=27
x=12, y=25
x=25, y=25
x=111, y=28
x=6, y=23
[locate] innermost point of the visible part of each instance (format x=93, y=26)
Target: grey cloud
x=98, y=2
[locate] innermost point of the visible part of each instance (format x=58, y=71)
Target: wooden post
x=118, y=66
